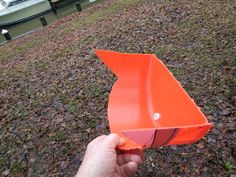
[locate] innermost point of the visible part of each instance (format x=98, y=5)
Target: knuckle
x=114, y=136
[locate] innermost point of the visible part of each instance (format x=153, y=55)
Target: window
x=3, y=3
x=16, y=2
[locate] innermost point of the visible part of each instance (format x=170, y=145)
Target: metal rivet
x=156, y=116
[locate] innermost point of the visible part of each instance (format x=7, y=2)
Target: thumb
x=113, y=140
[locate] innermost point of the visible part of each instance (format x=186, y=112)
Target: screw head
x=156, y=116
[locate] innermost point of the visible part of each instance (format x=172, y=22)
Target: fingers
x=113, y=140
x=132, y=151
x=97, y=141
x=100, y=138
x=129, y=164
x=125, y=158
x=129, y=169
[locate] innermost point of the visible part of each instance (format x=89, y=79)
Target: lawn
x=54, y=90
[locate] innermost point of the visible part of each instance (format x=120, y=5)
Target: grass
x=3, y=159
x=73, y=106
x=228, y=166
x=17, y=167
x=98, y=15
x=67, y=80
x=21, y=113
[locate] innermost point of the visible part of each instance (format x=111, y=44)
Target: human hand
x=101, y=159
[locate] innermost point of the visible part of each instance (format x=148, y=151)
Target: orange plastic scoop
x=147, y=105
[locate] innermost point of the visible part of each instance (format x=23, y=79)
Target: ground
x=54, y=90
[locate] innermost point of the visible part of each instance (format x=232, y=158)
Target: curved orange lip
x=147, y=105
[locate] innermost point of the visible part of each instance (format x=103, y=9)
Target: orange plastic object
x=147, y=105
